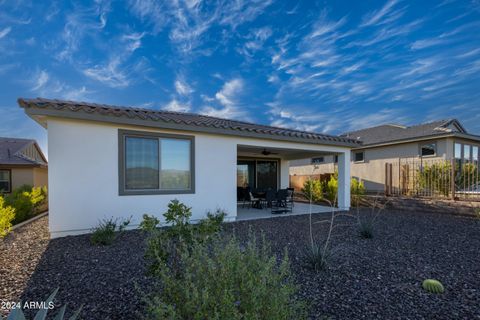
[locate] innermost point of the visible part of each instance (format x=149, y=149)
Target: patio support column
x=284, y=174
x=344, y=180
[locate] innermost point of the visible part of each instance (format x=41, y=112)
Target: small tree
x=312, y=190
x=435, y=177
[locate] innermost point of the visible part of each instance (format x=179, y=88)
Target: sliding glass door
x=267, y=175
x=257, y=174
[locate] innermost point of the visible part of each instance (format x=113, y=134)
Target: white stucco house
x=109, y=161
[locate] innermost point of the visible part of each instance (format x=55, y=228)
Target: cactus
x=17, y=314
x=433, y=286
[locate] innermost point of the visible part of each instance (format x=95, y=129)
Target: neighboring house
x=21, y=162
x=109, y=161
x=391, y=143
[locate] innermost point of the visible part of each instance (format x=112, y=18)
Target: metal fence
x=435, y=178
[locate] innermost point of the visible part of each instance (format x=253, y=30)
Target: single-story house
x=395, y=143
x=109, y=161
x=21, y=163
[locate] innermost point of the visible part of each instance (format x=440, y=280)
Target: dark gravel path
x=377, y=278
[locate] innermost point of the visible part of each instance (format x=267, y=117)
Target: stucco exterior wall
x=83, y=175
x=21, y=176
x=372, y=170
x=40, y=177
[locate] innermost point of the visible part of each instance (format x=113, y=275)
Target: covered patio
x=263, y=176
x=247, y=213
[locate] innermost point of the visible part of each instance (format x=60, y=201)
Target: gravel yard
x=375, y=278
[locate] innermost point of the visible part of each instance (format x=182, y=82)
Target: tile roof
x=393, y=132
x=11, y=152
x=187, y=121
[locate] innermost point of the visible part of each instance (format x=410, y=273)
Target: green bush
x=27, y=201
x=312, y=190
x=332, y=187
x=178, y=216
x=7, y=215
x=167, y=243
x=209, y=226
x=105, y=233
x=357, y=189
x=225, y=280
x=149, y=223
x=435, y=177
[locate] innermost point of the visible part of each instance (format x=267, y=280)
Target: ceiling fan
x=265, y=152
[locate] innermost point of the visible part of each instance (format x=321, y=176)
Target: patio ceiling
x=286, y=154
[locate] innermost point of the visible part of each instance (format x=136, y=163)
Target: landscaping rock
x=378, y=278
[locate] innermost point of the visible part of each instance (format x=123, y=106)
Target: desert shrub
x=178, y=216
x=365, y=228
x=149, y=223
x=435, y=177
x=312, y=190
x=27, y=201
x=316, y=257
x=209, y=226
x=477, y=213
x=226, y=280
x=106, y=231
x=357, y=189
x=166, y=244
x=7, y=215
x=332, y=187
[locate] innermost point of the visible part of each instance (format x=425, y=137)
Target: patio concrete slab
x=298, y=208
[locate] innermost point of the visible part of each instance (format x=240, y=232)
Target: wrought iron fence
x=434, y=178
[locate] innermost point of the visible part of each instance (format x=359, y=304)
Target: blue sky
x=326, y=66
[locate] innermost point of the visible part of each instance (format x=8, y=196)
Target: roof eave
x=38, y=113
x=416, y=139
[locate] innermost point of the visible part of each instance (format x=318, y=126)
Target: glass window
x=141, y=163
x=5, y=182
x=155, y=163
x=428, y=149
x=475, y=153
x=466, y=152
x=267, y=175
x=359, y=156
x=458, y=151
x=318, y=160
x=175, y=164
x=335, y=159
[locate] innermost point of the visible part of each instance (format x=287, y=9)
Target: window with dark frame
x=5, y=181
x=154, y=163
x=428, y=149
x=359, y=156
x=318, y=160
x=335, y=158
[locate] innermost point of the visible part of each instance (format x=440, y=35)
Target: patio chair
x=270, y=198
x=281, y=205
x=290, y=196
x=253, y=201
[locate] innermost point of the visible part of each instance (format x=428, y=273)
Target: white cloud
x=133, y=40
x=228, y=97
x=176, y=106
x=4, y=32
x=230, y=90
x=182, y=87
x=110, y=74
x=45, y=85
x=40, y=80
x=375, y=17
